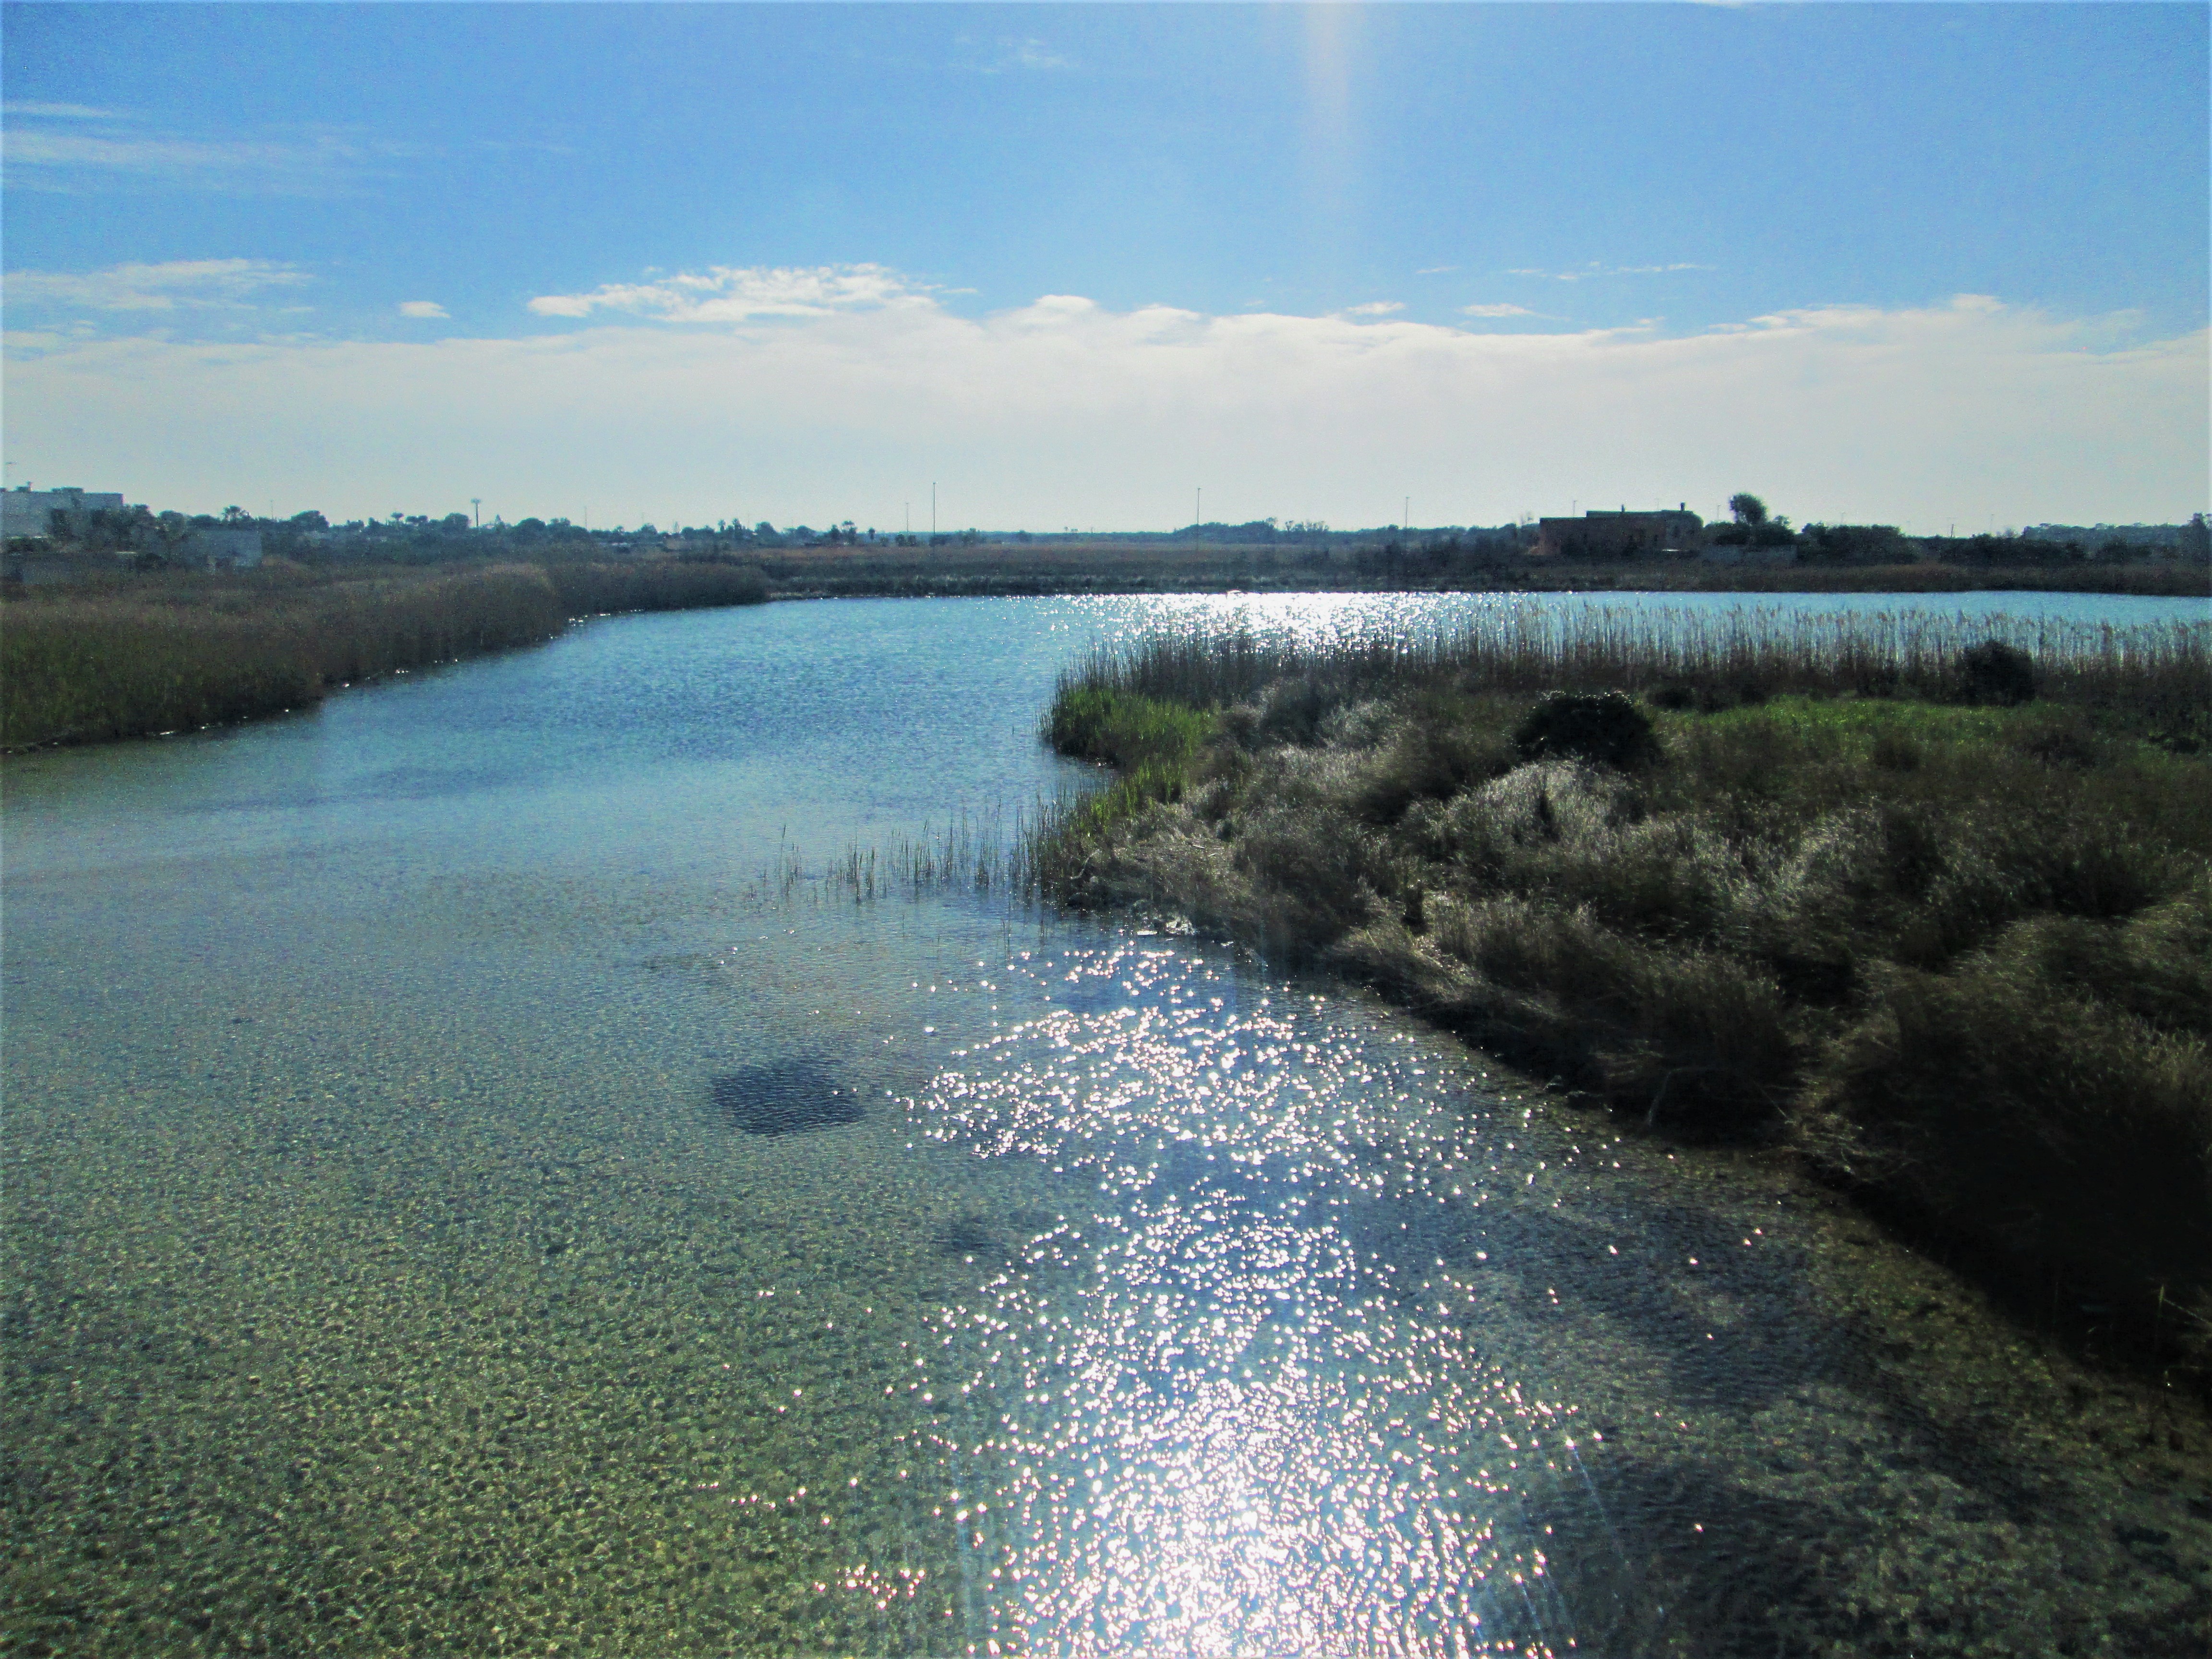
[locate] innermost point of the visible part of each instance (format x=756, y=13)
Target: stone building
x=1621, y=535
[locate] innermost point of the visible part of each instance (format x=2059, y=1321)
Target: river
x=471, y=1185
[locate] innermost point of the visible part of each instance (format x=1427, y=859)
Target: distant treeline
x=1382, y=557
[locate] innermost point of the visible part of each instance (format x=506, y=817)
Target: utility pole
x=476, y=506
x=932, y=513
x=1406, y=516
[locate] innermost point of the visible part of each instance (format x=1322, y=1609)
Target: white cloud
x=1375, y=308
x=421, y=308
x=1435, y=271
x=1064, y=411
x=1500, y=310
x=731, y=294
x=165, y=286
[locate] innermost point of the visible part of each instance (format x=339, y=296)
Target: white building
x=27, y=512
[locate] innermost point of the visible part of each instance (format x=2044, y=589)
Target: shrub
x=2037, y=1122
x=1607, y=728
x=1994, y=672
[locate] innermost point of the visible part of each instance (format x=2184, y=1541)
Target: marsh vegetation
x=133, y=655
x=1929, y=904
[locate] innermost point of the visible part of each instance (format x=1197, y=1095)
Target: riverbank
x=1935, y=918
x=997, y=571
x=132, y=656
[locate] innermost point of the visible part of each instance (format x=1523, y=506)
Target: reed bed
x=599, y=590
x=133, y=657
x=1823, y=886
x=2163, y=671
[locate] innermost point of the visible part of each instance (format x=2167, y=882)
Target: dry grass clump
x=1955, y=945
x=127, y=657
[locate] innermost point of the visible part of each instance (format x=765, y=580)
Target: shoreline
x=845, y=577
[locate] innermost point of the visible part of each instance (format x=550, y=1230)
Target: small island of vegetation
x=1930, y=910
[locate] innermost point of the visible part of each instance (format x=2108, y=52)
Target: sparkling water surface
x=462, y=1194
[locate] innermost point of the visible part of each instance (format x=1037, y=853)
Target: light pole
x=476, y=506
x=932, y=513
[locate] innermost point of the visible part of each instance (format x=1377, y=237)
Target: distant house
x=220, y=548
x=49, y=513
x=1622, y=535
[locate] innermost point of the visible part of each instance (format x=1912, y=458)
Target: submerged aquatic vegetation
x=1929, y=904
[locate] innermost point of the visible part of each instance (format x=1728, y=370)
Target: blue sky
x=1913, y=263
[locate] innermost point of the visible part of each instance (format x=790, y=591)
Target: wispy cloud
x=1375, y=308
x=1067, y=411
x=737, y=293
x=421, y=308
x=1595, y=267
x=1018, y=53
x=1435, y=271
x=63, y=112
x=1500, y=310
x=177, y=284
x=74, y=159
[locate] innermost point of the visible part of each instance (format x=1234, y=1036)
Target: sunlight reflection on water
x=1241, y=1415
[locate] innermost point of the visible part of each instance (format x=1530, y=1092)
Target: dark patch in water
x=970, y=1236
x=793, y=1096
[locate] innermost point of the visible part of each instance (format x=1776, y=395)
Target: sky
x=1929, y=265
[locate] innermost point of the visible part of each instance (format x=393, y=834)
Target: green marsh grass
x=1957, y=954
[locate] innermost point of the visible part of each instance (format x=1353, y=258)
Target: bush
x=1606, y=728
x=1994, y=672
x=2040, y=1122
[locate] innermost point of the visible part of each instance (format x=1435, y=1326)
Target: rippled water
x=460, y=1196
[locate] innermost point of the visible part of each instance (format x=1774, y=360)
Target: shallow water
x=462, y=1196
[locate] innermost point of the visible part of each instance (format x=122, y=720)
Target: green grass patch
x=1125, y=730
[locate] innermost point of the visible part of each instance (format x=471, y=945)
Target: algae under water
x=456, y=1198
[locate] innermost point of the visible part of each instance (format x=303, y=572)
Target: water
x=462, y=1196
